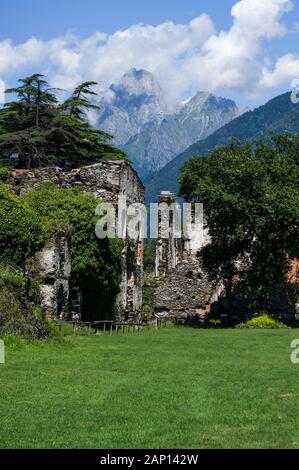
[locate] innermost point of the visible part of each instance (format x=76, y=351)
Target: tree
x=37, y=130
x=21, y=234
x=251, y=201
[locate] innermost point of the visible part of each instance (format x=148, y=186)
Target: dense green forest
x=278, y=115
x=250, y=195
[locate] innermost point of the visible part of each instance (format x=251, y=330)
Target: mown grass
x=173, y=388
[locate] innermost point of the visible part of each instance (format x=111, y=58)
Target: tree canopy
x=251, y=202
x=37, y=130
x=21, y=233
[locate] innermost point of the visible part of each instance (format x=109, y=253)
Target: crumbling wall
x=183, y=288
x=52, y=266
x=106, y=181
x=184, y=291
x=170, y=248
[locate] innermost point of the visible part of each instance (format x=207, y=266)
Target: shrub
x=149, y=256
x=12, y=342
x=17, y=316
x=21, y=233
x=148, y=301
x=4, y=174
x=96, y=264
x=216, y=323
x=262, y=322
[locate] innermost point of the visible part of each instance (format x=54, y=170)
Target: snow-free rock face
x=150, y=129
x=53, y=268
x=127, y=106
x=160, y=141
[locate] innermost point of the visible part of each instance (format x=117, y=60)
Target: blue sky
x=51, y=18
x=250, y=56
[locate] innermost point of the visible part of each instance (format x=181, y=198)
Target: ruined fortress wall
x=106, y=181
x=52, y=266
x=183, y=288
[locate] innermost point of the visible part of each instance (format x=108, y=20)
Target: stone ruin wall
x=106, y=181
x=183, y=288
x=52, y=266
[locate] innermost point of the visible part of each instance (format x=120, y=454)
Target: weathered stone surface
x=183, y=288
x=53, y=267
x=106, y=181
x=184, y=291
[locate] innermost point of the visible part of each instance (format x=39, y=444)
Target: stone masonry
x=183, y=288
x=107, y=181
x=52, y=266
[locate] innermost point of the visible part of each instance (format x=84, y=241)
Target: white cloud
x=184, y=57
x=2, y=92
x=231, y=60
x=285, y=70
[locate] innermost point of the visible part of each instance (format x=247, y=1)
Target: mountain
x=160, y=141
x=150, y=130
x=130, y=104
x=278, y=115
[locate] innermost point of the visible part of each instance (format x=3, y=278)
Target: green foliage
x=261, y=322
x=17, y=317
x=4, y=174
x=40, y=130
x=251, y=201
x=96, y=264
x=215, y=323
x=12, y=342
x=148, y=296
x=279, y=115
x=193, y=389
x=149, y=256
x=20, y=231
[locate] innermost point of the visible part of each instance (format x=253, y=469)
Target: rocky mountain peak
x=137, y=113
x=138, y=82
x=134, y=101
x=204, y=100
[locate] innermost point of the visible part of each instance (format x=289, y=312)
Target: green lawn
x=174, y=388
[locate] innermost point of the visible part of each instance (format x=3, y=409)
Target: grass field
x=174, y=388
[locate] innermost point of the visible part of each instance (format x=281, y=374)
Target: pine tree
x=37, y=130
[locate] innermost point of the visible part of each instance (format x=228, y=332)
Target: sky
x=243, y=49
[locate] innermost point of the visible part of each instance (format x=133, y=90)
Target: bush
x=148, y=296
x=21, y=234
x=17, y=315
x=262, y=322
x=149, y=256
x=96, y=264
x=12, y=342
x=4, y=174
x=215, y=323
